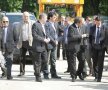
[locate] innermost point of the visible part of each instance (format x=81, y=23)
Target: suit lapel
x=94, y=31
x=41, y=28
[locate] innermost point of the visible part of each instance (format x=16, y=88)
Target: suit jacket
x=19, y=28
x=60, y=29
x=0, y=37
x=102, y=37
x=84, y=31
x=38, y=44
x=74, y=39
x=10, y=40
x=53, y=35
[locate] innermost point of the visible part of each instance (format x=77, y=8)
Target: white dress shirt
x=25, y=32
x=5, y=34
x=43, y=29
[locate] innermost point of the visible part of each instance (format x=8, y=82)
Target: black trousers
x=23, y=50
x=67, y=56
x=72, y=62
x=98, y=62
x=9, y=61
x=40, y=63
x=81, y=59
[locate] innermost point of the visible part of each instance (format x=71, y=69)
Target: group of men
x=42, y=39
x=32, y=37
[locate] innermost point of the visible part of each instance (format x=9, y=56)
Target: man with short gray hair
x=24, y=29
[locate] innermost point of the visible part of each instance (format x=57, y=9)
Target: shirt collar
x=52, y=22
x=76, y=25
x=98, y=26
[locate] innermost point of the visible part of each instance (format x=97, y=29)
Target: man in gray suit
x=52, y=46
x=39, y=47
x=8, y=43
x=61, y=27
x=88, y=24
x=24, y=29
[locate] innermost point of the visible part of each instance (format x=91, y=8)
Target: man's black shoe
x=3, y=75
x=73, y=79
x=46, y=77
x=64, y=58
x=9, y=78
x=66, y=72
x=98, y=80
x=38, y=79
x=21, y=74
x=81, y=77
x=56, y=77
x=85, y=75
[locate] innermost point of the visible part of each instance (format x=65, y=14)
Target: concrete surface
x=27, y=82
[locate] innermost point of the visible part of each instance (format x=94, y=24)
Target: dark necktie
x=98, y=36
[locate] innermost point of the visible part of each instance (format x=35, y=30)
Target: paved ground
x=27, y=82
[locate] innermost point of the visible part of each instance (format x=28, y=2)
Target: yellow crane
x=78, y=5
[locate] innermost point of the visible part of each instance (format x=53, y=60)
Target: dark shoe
x=46, y=77
x=56, y=77
x=85, y=75
x=98, y=80
x=9, y=78
x=64, y=58
x=21, y=74
x=81, y=77
x=73, y=79
x=38, y=79
x=3, y=75
x=66, y=72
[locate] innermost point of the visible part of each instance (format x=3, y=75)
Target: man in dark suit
x=97, y=43
x=40, y=39
x=61, y=26
x=9, y=41
x=52, y=46
x=74, y=40
x=81, y=71
x=88, y=24
x=2, y=59
x=78, y=25
x=65, y=41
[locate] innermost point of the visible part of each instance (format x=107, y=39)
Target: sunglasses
x=5, y=21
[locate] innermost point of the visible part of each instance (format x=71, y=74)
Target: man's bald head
x=5, y=21
x=5, y=18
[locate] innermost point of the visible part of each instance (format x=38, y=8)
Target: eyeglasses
x=5, y=21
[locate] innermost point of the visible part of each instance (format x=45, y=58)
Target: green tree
x=30, y=5
x=103, y=7
x=95, y=7
x=10, y=5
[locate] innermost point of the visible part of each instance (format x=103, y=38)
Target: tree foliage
x=91, y=7
x=10, y=5
x=95, y=7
